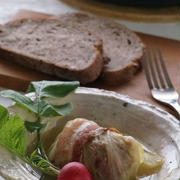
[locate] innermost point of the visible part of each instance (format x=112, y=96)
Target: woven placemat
x=162, y=14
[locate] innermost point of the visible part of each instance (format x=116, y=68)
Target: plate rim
x=131, y=100
x=143, y=104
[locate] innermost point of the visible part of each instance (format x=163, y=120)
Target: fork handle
x=176, y=106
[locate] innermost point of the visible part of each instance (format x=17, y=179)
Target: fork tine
x=164, y=70
x=161, y=80
x=153, y=73
x=145, y=65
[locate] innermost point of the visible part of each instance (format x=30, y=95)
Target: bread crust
x=85, y=75
x=121, y=73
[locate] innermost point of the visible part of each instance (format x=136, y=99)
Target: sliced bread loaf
x=54, y=47
x=122, y=48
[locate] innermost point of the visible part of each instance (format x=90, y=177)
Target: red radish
x=74, y=171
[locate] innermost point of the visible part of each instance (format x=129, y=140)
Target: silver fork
x=158, y=79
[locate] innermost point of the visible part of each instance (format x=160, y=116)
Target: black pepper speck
x=125, y=104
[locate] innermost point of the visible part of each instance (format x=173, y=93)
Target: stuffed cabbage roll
x=105, y=151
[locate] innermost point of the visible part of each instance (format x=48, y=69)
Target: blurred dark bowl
x=145, y=2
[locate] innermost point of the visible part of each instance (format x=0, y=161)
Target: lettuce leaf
x=12, y=132
x=4, y=115
x=13, y=137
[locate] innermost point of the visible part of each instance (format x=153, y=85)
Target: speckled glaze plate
x=155, y=128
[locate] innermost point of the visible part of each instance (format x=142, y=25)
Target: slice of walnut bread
x=54, y=47
x=122, y=48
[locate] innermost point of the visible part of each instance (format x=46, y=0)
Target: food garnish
x=74, y=171
x=13, y=130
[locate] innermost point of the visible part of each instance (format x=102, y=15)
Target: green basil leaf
x=48, y=110
x=42, y=164
x=13, y=135
x=53, y=88
x=13, y=129
x=4, y=115
x=63, y=109
x=33, y=126
x=20, y=99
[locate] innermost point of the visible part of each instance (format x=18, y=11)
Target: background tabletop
x=9, y=7
x=16, y=77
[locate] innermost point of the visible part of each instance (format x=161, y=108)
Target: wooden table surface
x=9, y=7
x=17, y=77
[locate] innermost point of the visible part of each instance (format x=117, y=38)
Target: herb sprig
x=13, y=127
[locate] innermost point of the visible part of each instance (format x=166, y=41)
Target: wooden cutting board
x=17, y=77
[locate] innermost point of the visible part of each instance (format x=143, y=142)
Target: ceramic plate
x=155, y=128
